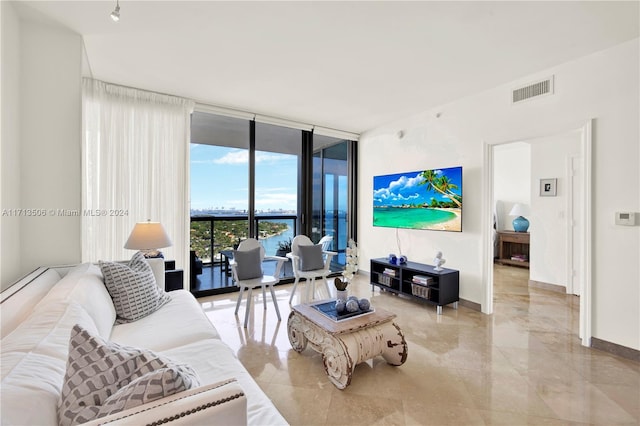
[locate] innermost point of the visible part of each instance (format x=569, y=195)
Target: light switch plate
x=625, y=218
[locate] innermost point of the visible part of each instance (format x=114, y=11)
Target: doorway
x=574, y=257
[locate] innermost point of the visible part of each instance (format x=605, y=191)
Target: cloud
x=240, y=156
x=405, y=183
x=382, y=193
x=276, y=198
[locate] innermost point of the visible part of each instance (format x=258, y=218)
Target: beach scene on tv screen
x=424, y=199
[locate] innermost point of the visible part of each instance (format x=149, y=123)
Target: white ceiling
x=345, y=65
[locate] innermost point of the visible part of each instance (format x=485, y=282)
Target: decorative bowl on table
x=337, y=310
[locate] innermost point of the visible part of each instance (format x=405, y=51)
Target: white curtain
x=135, y=157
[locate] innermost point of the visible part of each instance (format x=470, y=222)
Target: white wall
x=45, y=147
x=603, y=86
x=10, y=268
x=549, y=230
x=512, y=180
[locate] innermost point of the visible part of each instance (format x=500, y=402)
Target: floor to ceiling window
x=330, y=192
x=248, y=179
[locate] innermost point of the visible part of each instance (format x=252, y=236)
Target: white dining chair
x=309, y=261
x=246, y=267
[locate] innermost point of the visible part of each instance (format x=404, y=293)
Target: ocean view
x=422, y=218
x=270, y=244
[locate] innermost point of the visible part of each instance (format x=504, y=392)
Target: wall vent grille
x=533, y=90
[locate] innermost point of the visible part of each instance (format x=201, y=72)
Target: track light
x=115, y=15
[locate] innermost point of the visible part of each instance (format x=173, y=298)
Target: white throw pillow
x=133, y=288
x=104, y=377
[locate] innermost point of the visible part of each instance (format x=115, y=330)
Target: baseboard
x=471, y=305
x=546, y=286
x=615, y=349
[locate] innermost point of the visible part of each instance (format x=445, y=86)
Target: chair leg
x=239, y=300
x=264, y=297
x=293, y=290
x=275, y=303
x=326, y=286
x=248, y=307
x=311, y=290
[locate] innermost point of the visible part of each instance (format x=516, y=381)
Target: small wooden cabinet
x=440, y=287
x=513, y=248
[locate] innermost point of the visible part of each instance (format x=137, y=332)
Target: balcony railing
x=211, y=235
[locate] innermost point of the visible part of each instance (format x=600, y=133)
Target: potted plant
x=350, y=270
x=341, y=288
x=284, y=247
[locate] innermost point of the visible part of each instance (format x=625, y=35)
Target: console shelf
x=417, y=281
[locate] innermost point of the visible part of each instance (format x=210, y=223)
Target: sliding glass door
x=331, y=193
x=252, y=179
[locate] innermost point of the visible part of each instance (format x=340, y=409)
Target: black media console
x=418, y=281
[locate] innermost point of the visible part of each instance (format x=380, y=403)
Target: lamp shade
x=147, y=236
x=520, y=210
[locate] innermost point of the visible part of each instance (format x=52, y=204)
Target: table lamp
x=148, y=237
x=520, y=224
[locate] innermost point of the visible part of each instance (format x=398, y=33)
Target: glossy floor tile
x=523, y=365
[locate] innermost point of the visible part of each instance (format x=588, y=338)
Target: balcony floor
x=215, y=280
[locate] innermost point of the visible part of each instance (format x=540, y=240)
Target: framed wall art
x=548, y=187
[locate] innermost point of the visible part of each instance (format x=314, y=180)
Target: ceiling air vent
x=533, y=90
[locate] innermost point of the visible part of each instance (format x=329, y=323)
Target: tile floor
x=524, y=365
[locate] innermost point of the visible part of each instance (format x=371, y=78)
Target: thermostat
x=625, y=218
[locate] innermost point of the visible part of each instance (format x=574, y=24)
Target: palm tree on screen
x=441, y=184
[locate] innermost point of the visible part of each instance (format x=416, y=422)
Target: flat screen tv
x=425, y=199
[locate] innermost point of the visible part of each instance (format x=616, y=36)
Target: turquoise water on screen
x=410, y=218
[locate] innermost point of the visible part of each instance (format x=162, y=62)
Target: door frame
x=585, y=325
x=571, y=232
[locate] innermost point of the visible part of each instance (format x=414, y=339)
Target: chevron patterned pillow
x=103, y=378
x=133, y=288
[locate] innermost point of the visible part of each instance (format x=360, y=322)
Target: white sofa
x=38, y=313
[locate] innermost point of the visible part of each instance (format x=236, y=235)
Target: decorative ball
x=341, y=306
x=402, y=259
x=393, y=259
x=364, y=304
x=352, y=306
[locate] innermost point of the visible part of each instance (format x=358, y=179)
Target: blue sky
x=219, y=178
x=405, y=188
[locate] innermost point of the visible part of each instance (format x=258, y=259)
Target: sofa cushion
x=310, y=257
x=104, y=377
x=33, y=362
x=18, y=300
x=84, y=285
x=47, y=332
x=162, y=330
x=220, y=364
x=133, y=288
x=248, y=263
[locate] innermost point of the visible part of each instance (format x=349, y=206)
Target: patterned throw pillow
x=310, y=257
x=133, y=288
x=103, y=378
x=249, y=264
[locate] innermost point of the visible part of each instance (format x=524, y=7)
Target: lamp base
x=152, y=254
x=520, y=224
